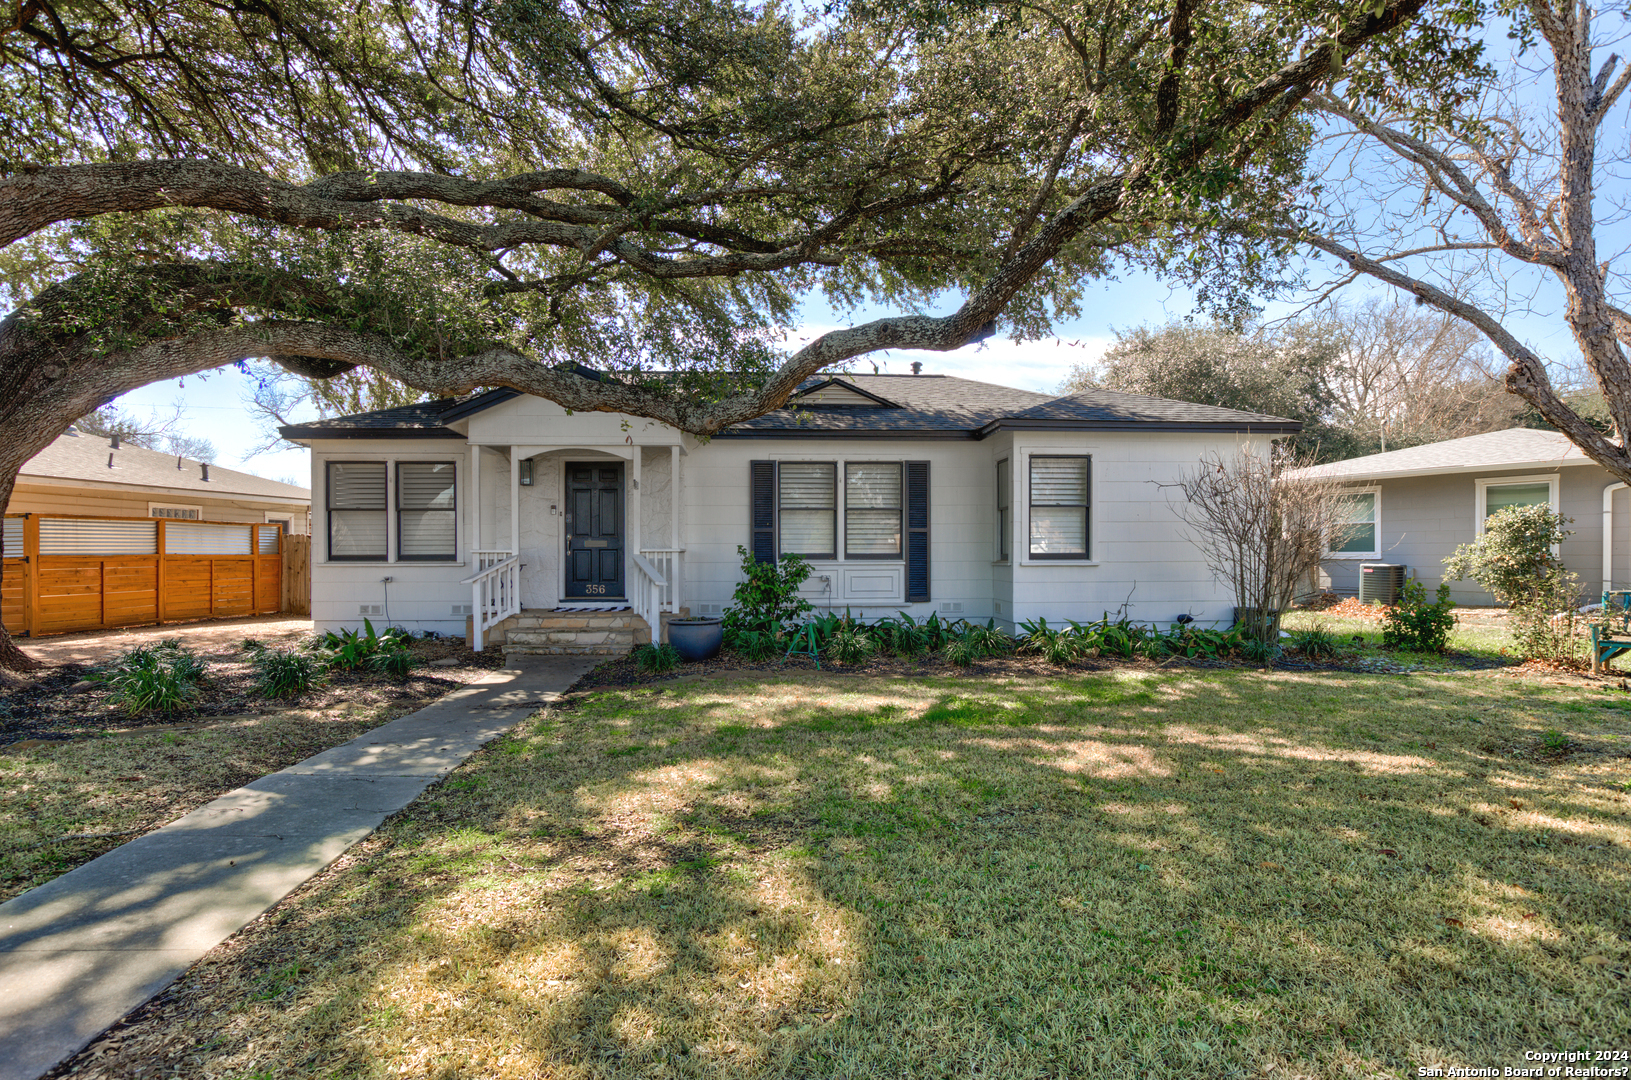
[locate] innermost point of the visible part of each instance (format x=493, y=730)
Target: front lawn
x=80, y=775
x=1135, y=873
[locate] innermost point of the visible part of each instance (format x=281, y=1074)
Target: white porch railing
x=646, y=594
x=667, y=562
x=495, y=593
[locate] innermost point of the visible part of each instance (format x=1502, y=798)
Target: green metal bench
x=1611, y=633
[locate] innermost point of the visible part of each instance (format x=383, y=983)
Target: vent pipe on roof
x=114, y=442
x=204, y=466
x=917, y=367
x=178, y=463
x=110, y=461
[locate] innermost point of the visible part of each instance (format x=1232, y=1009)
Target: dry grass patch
x=1122, y=874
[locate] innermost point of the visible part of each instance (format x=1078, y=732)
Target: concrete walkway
x=83, y=950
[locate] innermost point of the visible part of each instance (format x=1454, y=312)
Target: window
x=1059, y=487
x=1496, y=495
x=356, y=510
x=176, y=513
x=1004, y=531
x=1363, y=525
x=426, y=526
x=872, y=510
x=809, y=509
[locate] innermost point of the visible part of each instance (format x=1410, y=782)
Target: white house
x=906, y=493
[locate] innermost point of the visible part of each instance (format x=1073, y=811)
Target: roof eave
x=1283, y=427
x=1446, y=470
x=303, y=435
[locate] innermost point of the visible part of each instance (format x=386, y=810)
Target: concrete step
x=585, y=636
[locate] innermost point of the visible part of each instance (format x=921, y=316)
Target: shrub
x=352, y=649
x=153, y=678
x=656, y=659
x=755, y=645
x=1315, y=642
x=850, y=644
x=1417, y=623
x=284, y=672
x=395, y=659
x=1516, y=560
x=1517, y=550
x=1259, y=651
x=768, y=595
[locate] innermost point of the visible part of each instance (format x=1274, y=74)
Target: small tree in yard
x=1262, y=523
x=1516, y=560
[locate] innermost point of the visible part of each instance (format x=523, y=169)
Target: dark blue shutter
x=917, y=532
x=762, y=486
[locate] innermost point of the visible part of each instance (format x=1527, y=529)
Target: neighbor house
x=906, y=493
x=101, y=533
x=85, y=475
x=1414, y=507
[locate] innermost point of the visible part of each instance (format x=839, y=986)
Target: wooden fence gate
x=63, y=573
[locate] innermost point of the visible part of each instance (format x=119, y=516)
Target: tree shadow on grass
x=1119, y=875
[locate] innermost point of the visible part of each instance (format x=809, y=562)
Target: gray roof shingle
x=85, y=457
x=1512, y=448
x=929, y=406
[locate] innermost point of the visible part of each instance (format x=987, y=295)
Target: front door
x=594, y=531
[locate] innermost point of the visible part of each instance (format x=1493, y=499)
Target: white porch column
x=515, y=500
x=475, y=501
x=674, y=497
x=634, y=504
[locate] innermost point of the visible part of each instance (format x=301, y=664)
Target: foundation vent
x=460, y=609
x=370, y=609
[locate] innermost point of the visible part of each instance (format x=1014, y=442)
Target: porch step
x=558, y=632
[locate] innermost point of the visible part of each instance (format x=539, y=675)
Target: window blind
x=356, y=510
x=1059, y=498
x=426, y=510
x=872, y=508
x=809, y=508
x=1500, y=496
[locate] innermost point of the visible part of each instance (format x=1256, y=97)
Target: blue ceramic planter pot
x=696, y=639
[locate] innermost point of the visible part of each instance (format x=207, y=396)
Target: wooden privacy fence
x=65, y=573
x=297, y=574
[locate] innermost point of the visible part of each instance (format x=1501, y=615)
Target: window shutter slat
x=917, y=532
x=762, y=509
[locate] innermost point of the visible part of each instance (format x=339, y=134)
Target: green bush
x=283, y=673
x=1315, y=642
x=656, y=659
x=755, y=645
x=349, y=650
x=1417, y=623
x=768, y=596
x=1517, y=550
x=851, y=644
x=1516, y=560
x=157, y=678
x=1258, y=651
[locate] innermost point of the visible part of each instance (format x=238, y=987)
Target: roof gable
x=837, y=392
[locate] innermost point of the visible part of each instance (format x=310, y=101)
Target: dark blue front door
x=594, y=531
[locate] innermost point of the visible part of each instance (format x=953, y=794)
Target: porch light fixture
x=526, y=472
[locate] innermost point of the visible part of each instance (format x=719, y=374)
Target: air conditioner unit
x=1380, y=583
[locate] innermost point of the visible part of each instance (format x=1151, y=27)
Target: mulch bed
x=51, y=708
x=624, y=672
